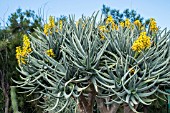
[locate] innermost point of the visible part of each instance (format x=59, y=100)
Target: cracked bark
x=86, y=104
x=127, y=109
x=104, y=108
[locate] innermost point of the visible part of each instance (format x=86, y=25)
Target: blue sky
x=158, y=9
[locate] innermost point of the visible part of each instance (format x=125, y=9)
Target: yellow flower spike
x=102, y=28
x=153, y=25
x=46, y=28
x=122, y=24
x=26, y=42
x=109, y=20
x=143, y=42
x=51, y=22
x=127, y=23
x=18, y=52
x=50, y=53
x=102, y=36
x=60, y=24
x=22, y=52
x=23, y=60
x=132, y=71
x=137, y=23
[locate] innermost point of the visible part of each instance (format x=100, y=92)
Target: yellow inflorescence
x=46, y=28
x=122, y=24
x=49, y=25
x=137, y=23
x=109, y=20
x=51, y=22
x=115, y=27
x=127, y=23
x=19, y=57
x=131, y=70
x=60, y=24
x=141, y=43
x=102, y=29
x=22, y=52
x=50, y=53
x=153, y=25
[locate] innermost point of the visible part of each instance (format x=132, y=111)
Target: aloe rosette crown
x=137, y=74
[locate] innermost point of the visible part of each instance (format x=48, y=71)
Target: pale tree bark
x=127, y=109
x=85, y=104
x=103, y=108
x=5, y=90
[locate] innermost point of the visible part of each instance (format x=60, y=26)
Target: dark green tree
x=24, y=21
x=120, y=16
x=62, y=17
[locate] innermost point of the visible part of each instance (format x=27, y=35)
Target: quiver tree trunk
x=127, y=109
x=86, y=104
x=103, y=108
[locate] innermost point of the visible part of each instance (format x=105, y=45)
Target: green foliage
x=24, y=22
x=63, y=18
x=121, y=16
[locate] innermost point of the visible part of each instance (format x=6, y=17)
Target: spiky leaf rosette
x=135, y=76
x=63, y=64
x=44, y=72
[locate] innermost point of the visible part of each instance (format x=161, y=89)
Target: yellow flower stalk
x=102, y=36
x=51, y=22
x=102, y=28
x=137, y=23
x=19, y=55
x=127, y=23
x=153, y=25
x=122, y=24
x=22, y=52
x=60, y=24
x=50, y=53
x=141, y=43
x=50, y=25
x=109, y=20
x=46, y=28
x=115, y=27
x=131, y=71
